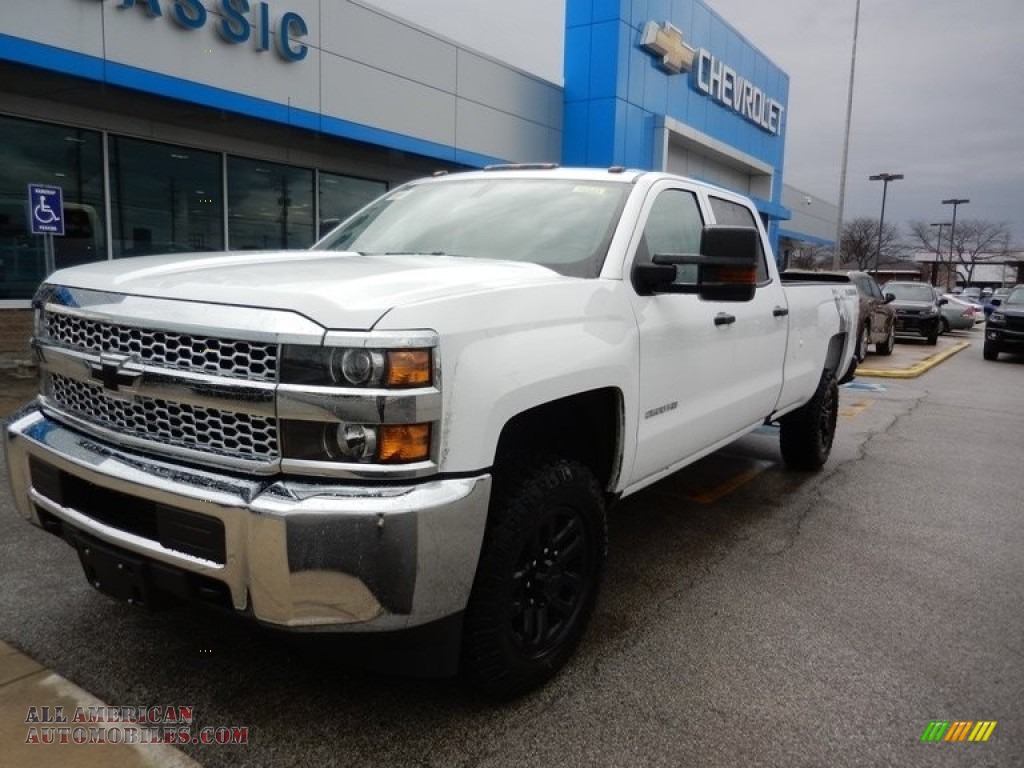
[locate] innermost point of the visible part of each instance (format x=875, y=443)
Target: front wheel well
x=586, y=427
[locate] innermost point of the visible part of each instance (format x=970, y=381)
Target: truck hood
x=337, y=290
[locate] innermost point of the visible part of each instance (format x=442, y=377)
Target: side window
x=873, y=288
x=730, y=214
x=674, y=226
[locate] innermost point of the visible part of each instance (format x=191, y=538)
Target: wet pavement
x=25, y=684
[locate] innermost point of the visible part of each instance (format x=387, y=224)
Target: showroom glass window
x=164, y=198
x=40, y=153
x=341, y=196
x=269, y=205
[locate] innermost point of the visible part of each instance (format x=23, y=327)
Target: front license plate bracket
x=116, y=573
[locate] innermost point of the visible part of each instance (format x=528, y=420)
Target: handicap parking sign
x=46, y=206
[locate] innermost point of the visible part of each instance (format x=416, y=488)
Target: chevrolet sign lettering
x=721, y=83
x=711, y=76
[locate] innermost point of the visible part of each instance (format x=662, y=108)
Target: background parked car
x=1004, y=331
x=917, y=309
x=997, y=298
x=877, y=317
x=958, y=314
x=971, y=292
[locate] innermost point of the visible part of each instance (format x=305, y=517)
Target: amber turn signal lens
x=409, y=368
x=404, y=442
x=734, y=275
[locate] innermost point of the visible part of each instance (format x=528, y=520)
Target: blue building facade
x=670, y=85
x=176, y=127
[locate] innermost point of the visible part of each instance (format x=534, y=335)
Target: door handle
x=723, y=319
x=780, y=311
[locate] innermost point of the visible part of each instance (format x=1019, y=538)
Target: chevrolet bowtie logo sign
x=666, y=41
x=112, y=374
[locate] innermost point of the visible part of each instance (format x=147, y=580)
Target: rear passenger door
x=761, y=329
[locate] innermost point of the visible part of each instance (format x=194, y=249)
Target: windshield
x=1016, y=298
x=565, y=225
x=911, y=291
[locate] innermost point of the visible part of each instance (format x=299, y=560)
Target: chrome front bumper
x=298, y=553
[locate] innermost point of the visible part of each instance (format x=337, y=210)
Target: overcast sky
x=939, y=91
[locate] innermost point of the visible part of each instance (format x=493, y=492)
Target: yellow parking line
x=713, y=494
x=917, y=368
x=854, y=409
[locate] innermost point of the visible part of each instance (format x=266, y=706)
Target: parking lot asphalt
x=25, y=684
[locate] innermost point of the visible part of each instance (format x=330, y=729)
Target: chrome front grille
x=214, y=430
x=222, y=357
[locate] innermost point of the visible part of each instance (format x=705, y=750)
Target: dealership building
x=187, y=125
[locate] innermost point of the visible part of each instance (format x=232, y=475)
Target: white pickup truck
x=414, y=428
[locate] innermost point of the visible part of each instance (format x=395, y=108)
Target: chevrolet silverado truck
x=414, y=428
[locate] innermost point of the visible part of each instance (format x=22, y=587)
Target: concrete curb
x=24, y=685
x=917, y=368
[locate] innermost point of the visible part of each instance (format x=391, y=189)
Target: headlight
x=931, y=311
x=359, y=405
x=355, y=443
x=357, y=367
x=997, y=317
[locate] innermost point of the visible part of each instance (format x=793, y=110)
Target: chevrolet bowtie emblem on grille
x=111, y=372
x=666, y=41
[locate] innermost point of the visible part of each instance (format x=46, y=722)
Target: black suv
x=917, y=309
x=1004, y=330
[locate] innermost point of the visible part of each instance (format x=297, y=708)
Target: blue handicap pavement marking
x=864, y=385
x=46, y=203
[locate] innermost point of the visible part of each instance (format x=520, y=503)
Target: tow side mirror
x=726, y=267
x=729, y=272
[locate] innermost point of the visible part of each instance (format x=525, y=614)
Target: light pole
x=938, y=252
x=954, y=201
x=846, y=141
x=885, y=178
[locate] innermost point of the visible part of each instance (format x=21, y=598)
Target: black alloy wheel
x=538, y=575
x=806, y=435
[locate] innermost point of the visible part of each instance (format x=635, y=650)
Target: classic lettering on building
x=239, y=22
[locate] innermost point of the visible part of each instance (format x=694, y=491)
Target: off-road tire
x=990, y=351
x=944, y=326
x=886, y=347
x=807, y=434
x=933, y=337
x=537, y=578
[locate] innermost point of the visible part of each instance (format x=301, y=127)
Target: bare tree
x=860, y=244
x=810, y=257
x=974, y=242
